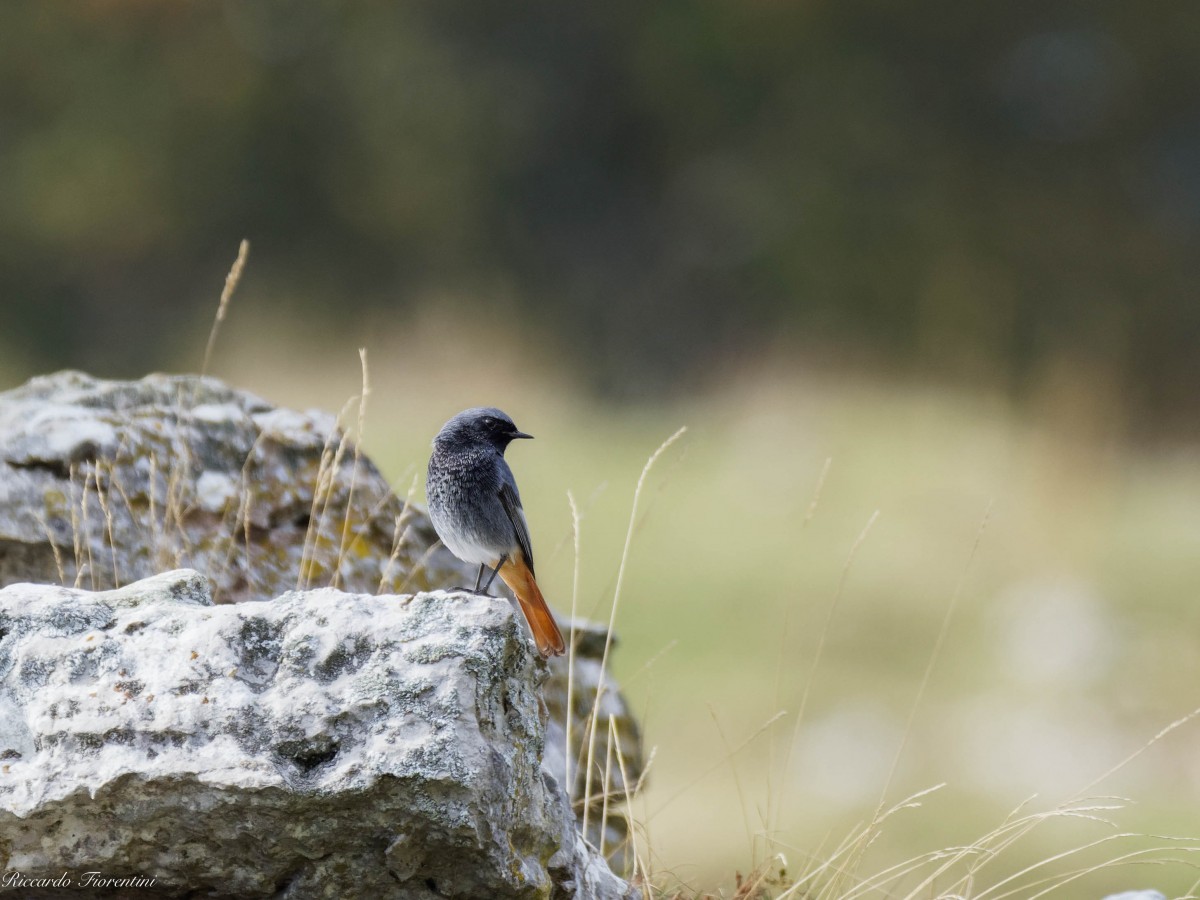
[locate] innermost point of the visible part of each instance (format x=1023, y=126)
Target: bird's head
x=481, y=424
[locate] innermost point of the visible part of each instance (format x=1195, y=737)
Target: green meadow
x=843, y=592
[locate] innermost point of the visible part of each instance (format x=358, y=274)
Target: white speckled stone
x=321, y=744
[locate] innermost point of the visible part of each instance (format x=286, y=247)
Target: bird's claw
x=462, y=589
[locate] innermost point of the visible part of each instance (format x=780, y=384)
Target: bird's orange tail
x=519, y=578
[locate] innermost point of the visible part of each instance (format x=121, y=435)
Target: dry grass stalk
x=640, y=872
x=231, y=283
x=637, y=493
x=571, y=648
x=821, y=641
x=152, y=491
x=58, y=561
x=345, y=540
x=400, y=533
x=323, y=489
x=85, y=514
x=76, y=530
x=608, y=760
x=418, y=566
x=106, y=509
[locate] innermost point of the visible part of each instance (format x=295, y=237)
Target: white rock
x=318, y=745
x=216, y=491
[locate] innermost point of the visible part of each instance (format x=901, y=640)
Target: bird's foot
x=462, y=589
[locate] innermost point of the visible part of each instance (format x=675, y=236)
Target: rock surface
x=318, y=745
x=105, y=482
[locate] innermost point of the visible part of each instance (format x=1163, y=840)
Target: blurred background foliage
x=946, y=254
x=968, y=191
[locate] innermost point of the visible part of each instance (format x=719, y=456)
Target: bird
x=476, y=511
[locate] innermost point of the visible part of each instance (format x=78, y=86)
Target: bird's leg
x=479, y=578
x=492, y=577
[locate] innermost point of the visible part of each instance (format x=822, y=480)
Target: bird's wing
x=512, y=505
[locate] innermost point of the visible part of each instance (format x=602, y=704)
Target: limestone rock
x=321, y=744
x=106, y=482
x=103, y=483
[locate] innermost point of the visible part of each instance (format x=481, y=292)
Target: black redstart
x=476, y=511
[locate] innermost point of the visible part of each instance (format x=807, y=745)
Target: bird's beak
x=519, y=434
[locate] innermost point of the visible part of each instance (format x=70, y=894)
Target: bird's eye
x=489, y=421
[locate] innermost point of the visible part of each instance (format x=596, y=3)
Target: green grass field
x=1070, y=555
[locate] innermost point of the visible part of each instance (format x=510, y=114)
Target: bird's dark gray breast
x=463, y=489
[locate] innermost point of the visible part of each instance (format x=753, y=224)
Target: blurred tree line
x=961, y=188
